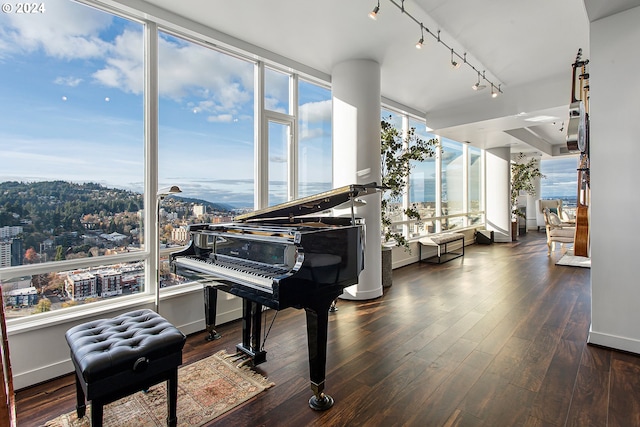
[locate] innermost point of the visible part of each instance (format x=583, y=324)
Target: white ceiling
x=525, y=46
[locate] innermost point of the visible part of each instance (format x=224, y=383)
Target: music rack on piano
x=279, y=257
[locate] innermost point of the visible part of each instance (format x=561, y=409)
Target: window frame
x=411, y=228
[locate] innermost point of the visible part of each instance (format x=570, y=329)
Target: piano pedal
x=247, y=361
x=239, y=356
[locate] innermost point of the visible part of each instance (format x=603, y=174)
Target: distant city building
x=103, y=281
x=170, y=216
x=5, y=253
x=109, y=282
x=180, y=235
x=199, y=210
x=114, y=237
x=90, y=225
x=17, y=252
x=8, y=232
x=11, y=252
x=221, y=219
x=23, y=297
x=46, y=245
x=81, y=285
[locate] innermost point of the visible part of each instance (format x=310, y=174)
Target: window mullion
x=151, y=153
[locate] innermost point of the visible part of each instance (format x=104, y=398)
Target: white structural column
x=356, y=157
x=498, y=179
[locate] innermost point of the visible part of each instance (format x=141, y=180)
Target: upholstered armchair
x=557, y=230
x=554, y=205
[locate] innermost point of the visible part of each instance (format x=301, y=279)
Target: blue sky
x=71, y=107
x=561, y=177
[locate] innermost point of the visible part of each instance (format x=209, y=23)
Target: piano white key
x=235, y=275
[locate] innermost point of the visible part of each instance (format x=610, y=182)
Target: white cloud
x=314, y=112
x=307, y=134
x=68, y=81
x=72, y=31
x=223, y=83
x=67, y=30
x=124, y=67
x=222, y=118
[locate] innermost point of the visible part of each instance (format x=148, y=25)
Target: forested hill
x=59, y=203
x=54, y=204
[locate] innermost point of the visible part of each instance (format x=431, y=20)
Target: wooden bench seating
x=441, y=242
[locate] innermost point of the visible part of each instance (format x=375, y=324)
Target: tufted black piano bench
x=114, y=358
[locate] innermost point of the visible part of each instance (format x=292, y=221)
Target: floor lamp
x=162, y=194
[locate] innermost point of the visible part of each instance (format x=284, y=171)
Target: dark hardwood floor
x=496, y=338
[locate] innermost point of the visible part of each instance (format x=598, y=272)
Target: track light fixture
x=479, y=86
x=494, y=93
x=374, y=13
x=495, y=89
x=454, y=63
x=419, y=44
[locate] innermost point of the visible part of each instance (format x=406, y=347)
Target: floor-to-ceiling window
x=205, y=138
x=452, y=183
x=76, y=169
x=72, y=168
x=475, y=186
x=423, y=184
x=446, y=189
x=314, y=139
x=560, y=181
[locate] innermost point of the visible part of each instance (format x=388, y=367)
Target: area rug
x=206, y=389
x=574, y=261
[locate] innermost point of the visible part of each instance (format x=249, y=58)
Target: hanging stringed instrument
x=578, y=140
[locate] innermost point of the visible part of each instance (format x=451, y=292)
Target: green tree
x=59, y=253
x=43, y=306
x=397, y=151
x=523, y=174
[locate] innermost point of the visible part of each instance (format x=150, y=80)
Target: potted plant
x=397, y=151
x=523, y=173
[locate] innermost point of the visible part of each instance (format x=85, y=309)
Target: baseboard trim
x=614, y=342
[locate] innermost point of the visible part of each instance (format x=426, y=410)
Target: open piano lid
x=311, y=204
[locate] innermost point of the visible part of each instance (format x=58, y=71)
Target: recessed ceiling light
x=541, y=119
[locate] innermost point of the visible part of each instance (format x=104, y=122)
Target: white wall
x=615, y=151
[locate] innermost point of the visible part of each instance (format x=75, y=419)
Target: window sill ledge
x=96, y=310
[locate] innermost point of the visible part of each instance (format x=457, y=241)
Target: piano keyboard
x=244, y=272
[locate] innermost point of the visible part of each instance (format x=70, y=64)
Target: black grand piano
x=283, y=256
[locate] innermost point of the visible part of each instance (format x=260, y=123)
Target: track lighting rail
x=495, y=88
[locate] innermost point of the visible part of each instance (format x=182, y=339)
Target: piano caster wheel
x=321, y=404
x=334, y=307
x=213, y=336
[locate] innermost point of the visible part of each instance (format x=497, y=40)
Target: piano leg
x=317, y=326
x=251, y=330
x=210, y=301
